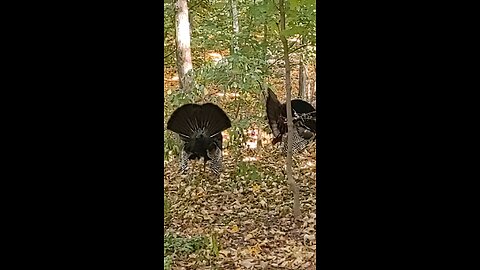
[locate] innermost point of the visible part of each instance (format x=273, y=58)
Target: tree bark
x=259, y=139
x=265, y=42
x=288, y=87
x=236, y=27
x=314, y=82
x=184, y=57
x=302, y=79
x=303, y=73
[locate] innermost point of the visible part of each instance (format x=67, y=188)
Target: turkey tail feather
x=192, y=118
x=304, y=118
x=274, y=112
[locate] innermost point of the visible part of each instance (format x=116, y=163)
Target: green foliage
x=171, y=145
x=167, y=262
x=249, y=171
x=169, y=33
x=211, y=27
x=301, y=20
x=237, y=136
x=214, y=244
x=236, y=74
x=239, y=73
x=174, y=244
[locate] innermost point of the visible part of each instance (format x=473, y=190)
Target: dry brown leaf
x=247, y=263
x=252, y=217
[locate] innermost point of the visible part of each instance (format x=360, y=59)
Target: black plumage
x=200, y=128
x=304, y=122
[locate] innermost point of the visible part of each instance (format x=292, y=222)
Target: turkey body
x=304, y=122
x=200, y=129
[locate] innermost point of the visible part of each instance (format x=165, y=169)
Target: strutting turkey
x=304, y=122
x=200, y=128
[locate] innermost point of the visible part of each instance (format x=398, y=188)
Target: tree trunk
x=314, y=82
x=303, y=74
x=311, y=87
x=259, y=138
x=184, y=57
x=265, y=44
x=236, y=28
x=288, y=87
x=309, y=90
x=302, y=79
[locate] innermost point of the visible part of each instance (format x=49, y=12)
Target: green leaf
x=295, y=30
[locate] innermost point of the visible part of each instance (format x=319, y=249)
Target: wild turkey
x=304, y=121
x=200, y=128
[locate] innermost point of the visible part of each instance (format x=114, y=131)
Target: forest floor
x=244, y=219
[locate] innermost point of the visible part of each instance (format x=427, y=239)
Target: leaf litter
x=246, y=214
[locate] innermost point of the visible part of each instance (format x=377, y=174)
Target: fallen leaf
x=234, y=229
x=247, y=263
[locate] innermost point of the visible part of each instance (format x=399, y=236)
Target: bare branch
x=298, y=48
x=170, y=53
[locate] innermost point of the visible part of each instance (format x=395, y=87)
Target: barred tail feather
x=298, y=143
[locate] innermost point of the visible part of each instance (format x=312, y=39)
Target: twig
x=298, y=48
x=170, y=53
